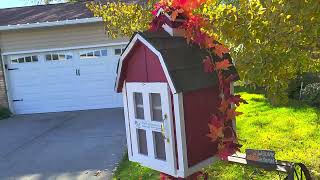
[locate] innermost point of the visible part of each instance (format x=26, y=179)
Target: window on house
x=57, y=56
x=93, y=54
x=25, y=59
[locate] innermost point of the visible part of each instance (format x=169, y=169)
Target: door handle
x=78, y=72
x=163, y=132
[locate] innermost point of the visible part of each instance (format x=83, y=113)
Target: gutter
x=51, y=24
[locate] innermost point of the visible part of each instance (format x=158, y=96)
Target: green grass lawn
x=293, y=132
x=4, y=113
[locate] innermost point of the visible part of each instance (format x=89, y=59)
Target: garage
x=63, y=80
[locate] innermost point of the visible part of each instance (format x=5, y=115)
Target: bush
x=311, y=94
x=4, y=113
x=295, y=85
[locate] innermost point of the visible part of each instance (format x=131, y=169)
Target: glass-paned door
x=149, y=108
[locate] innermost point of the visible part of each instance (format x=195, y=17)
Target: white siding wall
x=54, y=37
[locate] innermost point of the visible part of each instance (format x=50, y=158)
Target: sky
x=12, y=3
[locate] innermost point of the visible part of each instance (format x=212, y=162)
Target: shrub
x=311, y=94
x=4, y=113
x=295, y=85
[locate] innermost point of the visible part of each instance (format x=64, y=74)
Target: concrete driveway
x=68, y=145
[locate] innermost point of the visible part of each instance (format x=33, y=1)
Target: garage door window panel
x=91, y=54
x=58, y=57
x=118, y=51
x=24, y=59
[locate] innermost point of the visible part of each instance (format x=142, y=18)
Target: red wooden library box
x=168, y=100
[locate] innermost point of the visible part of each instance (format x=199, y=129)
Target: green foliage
x=305, y=79
x=290, y=131
x=271, y=41
x=4, y=113
x=122, y=19
x=311, y=94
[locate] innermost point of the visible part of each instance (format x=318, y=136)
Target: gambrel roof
x=183, y=61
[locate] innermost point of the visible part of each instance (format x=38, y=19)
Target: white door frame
x=168, y=166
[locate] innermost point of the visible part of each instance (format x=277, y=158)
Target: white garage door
x=63, y=80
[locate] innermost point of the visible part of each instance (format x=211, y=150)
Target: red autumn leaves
x=221, y=130
x=220, y=125
x=210, y=67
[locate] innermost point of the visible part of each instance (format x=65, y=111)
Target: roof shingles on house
x=48, y=13
x=44, y=13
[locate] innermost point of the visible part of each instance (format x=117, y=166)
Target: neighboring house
x=56, y=58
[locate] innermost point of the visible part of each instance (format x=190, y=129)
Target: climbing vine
x=221, y=129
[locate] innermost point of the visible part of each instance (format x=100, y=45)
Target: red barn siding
x=141, y=65
x=198, y=107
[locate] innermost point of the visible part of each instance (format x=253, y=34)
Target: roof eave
x=51, y=24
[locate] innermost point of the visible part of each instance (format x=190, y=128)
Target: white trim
x=174, y=31
x=127, y=122
x=146, y=43
x=200, y=165
x=65, y=48
x=180, y=134
x=51, y=24
x=167, y=166
x=6, y=83
x=172, y=136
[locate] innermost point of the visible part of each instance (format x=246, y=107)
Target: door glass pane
x=62, y=56
x=97, y=53
x=104, y=52
x=21, y=60
x=28, y=59
x=48, y=57
x=156, y=107
x=55, y=57
x=35, y=58
x=139, y=111
x=142, y=141
x=160, y=148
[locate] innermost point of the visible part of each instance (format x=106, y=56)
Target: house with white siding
x=56, y=58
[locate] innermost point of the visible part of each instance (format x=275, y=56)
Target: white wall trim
x=146, y=43
x=180, y=134
x=6, y=83
x=64, y=49
x=51, y=24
